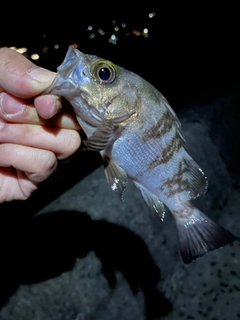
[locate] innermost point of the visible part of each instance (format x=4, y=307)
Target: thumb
x=20, y=77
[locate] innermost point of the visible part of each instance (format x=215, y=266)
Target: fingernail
x=41, y=74
x=10, y=106
x=52, y=109
x=58, y=104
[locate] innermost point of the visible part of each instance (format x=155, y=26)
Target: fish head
x=97, y=89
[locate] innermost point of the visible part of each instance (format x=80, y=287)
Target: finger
x=22, y=111
x=21, y=77
x=15, y=185
x=62, y=142
x=37, y=164
x=65, y=119
x=47, y=105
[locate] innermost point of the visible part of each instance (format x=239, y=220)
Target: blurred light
x=116, y=28
x=136, y=32
x=114, y=21
x=56, y=46
x=145, y=32
x=92, y=35
x=102, y=33
x=45, y=50
x=123, y=24
x=20, y=50
x=44, y=35
x=35, y=56
x=113, y=39
x=89, y=28
x=151, y=15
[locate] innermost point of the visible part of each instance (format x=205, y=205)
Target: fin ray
x=177, y=122
x=106, y=133
x=199, y=235
x=152, y=201
x=115, y=176
x=197, y=180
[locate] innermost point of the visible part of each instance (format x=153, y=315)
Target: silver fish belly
x=139, y=137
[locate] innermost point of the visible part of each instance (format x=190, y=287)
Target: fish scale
x=139, y=137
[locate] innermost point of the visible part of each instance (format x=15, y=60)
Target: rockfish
x=139, y=137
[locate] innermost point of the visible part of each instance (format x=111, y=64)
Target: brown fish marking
x=183, y=213
x=176, y=181
x=168, y=152
x=163, y=125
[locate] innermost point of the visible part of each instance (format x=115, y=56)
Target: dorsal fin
x=196, y=179
x=176, y=121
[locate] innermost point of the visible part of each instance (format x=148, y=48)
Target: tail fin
x=199, y=235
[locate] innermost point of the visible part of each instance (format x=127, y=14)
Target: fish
x=139, y=136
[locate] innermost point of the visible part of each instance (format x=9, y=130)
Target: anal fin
x=152, y=201
x=199, y=235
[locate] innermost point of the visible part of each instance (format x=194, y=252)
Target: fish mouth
x=53, y=86
x=65, y=80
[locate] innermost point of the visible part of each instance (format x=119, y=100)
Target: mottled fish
x=139, y=137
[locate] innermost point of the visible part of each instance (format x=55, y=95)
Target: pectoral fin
x=115, y=175
x=103, y=136
x=152, y=201
x=199, y=235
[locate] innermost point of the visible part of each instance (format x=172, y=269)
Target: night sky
x=189, y=52
x=186, y=47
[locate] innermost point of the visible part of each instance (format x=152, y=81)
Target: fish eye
x=104, y=74
x=104, y=71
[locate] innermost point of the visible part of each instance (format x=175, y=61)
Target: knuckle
x=48, y=161
x=71, y=143
x=44, y=166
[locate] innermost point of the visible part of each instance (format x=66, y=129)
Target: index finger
x=29, y=115
x=20, y=77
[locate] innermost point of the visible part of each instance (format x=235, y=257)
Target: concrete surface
x=87, y=255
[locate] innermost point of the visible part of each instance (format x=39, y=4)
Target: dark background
x=188, y=48
x=191, y=52
x=191, y=55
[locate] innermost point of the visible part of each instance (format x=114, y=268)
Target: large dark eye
x=104, y=71
x=104, y=74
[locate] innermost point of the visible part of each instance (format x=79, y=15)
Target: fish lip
x=72, y=59
x=50, y=89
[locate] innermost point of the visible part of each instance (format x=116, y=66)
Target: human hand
x=33, y=134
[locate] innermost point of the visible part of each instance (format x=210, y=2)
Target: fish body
x=139, y=136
